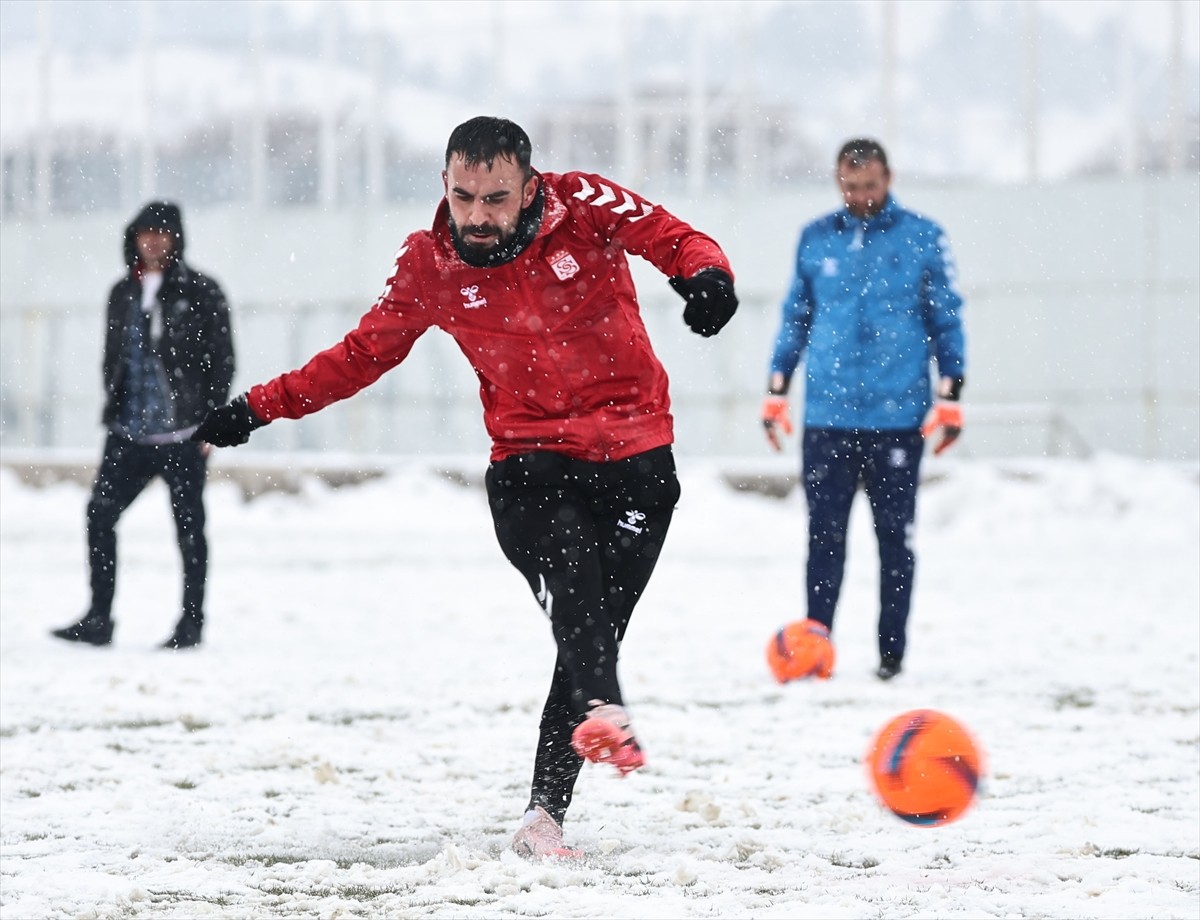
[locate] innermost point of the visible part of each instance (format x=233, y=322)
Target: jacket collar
x=887, y=217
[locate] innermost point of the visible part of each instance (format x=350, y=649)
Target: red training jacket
x=555, y=336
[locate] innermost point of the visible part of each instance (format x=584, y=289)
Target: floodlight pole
x=374, y=135
x=45, y=123
x=1031, y=90
x=327, y=130
x=148, y=180
x=627, y=117
x=887, y=71
x=697, y=131
x=257, y=146
x=1175, y=92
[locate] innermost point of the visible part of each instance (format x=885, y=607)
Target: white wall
x=1083, y=319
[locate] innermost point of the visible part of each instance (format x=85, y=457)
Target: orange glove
x=947, y=416
x=775, y=411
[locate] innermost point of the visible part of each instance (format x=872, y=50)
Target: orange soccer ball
x=799, y=651
x=925, y=767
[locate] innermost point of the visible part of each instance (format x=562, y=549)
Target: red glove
x=947, y=416
x=775, y=411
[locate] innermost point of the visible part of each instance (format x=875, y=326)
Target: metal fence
x=1083, y=321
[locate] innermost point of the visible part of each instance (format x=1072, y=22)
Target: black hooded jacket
x=196, y=344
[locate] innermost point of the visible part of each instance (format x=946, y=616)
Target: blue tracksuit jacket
x=871, y=303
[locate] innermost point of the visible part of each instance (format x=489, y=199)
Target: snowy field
x=355, y=737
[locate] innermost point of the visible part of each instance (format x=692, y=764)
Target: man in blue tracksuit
x=874, y=300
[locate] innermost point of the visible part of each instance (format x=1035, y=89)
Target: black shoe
x=889, y=667
x=91, y=629
x=186, y=635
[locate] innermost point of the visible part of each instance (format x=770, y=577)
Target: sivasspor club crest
x=564, y=265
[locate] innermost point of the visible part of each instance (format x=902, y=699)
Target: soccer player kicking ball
x=527, y=271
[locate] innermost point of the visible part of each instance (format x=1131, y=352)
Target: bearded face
x=486, y=204
x=864, y=186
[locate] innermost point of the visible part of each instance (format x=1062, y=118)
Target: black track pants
x=586, y=537
x=125, y=470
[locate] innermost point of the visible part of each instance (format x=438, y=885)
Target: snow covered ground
x=355, y=737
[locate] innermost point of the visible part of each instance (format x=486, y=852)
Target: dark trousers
x=586, y=537
x=886, y=464
x=125, y=470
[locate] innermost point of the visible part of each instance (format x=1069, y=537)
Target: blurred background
x=1057, y=142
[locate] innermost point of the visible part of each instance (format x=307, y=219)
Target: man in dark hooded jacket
x=168, y=360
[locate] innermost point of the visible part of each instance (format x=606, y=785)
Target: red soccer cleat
x=605, y=736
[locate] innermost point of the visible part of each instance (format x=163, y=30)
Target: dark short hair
x=485, y=137
x=860, y=151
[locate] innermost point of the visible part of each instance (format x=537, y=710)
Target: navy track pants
x=887, y=465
